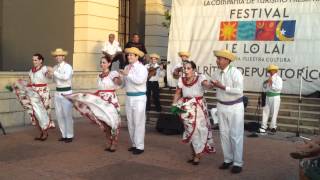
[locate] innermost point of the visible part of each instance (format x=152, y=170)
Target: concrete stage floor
x=266, y=158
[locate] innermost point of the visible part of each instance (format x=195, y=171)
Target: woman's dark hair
x=107, y=57
x=193, y=65
x=40, y=57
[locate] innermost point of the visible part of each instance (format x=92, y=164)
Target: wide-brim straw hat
x=59, y=52
x=134, y=50
x=272, y=67
x=184, y=53
x=226, y=54
x=154, y=55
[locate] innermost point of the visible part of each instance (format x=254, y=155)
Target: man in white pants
x=272, y=87
x=62, y=76
x=135, y=79
x=230, y=110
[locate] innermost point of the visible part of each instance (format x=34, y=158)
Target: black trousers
x=154, y=90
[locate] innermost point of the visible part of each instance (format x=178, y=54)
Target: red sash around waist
x=37, y=85
x=188, y=98
x=106, y=91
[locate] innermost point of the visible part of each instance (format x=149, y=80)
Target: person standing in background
x=272, y=86
x=155, y=72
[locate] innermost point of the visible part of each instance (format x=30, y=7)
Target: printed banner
x=259, y=32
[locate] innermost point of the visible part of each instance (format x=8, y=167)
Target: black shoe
x=62, y=139
x=43, y=138
x=273, y=130
x=190, y=161
x=132, y=149
x=110, y=150
x=68, y=140
x=137, y=151
x=236, y=169
x=195, y=163
x=225, y=165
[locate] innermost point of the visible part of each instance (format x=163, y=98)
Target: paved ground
x=165, y=157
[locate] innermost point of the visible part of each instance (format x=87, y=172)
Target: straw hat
x=134, y=50
x=272, y=67
x=59, y=52
x=184, y=53
x=154, y=55
x=226, y=54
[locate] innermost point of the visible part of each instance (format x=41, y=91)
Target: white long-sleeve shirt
x=62, y=75
x=232, y=79
x=159, y=73
x=136, y=79
x=111, y=48
x=276, y=85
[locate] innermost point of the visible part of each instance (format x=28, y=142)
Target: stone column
x=94, y=20
x=156, y=36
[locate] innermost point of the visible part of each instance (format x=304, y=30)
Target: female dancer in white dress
x=195, y=115
x=35, y=96
x=102, y=107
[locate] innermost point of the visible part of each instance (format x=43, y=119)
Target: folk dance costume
x=101, y=107
x=195, y=118
x=62, y=76
x=230, y=111
x=155, y=73
x=35, y=97
x=273, y=90
x=135, y=86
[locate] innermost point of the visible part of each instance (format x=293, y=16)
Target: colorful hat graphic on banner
x=257, y=30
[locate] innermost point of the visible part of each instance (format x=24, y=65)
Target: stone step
x=211, y=101
x=153, y=117
x=252, y=109
x=288, y=112
x=287, y=120
x=255, y=96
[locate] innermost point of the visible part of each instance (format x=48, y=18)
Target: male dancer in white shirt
x=62, y=76
x=135, y=78
x=230, y=109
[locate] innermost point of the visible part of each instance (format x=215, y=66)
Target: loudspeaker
x=169, y=124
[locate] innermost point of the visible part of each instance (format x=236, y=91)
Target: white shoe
x=262, y=131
